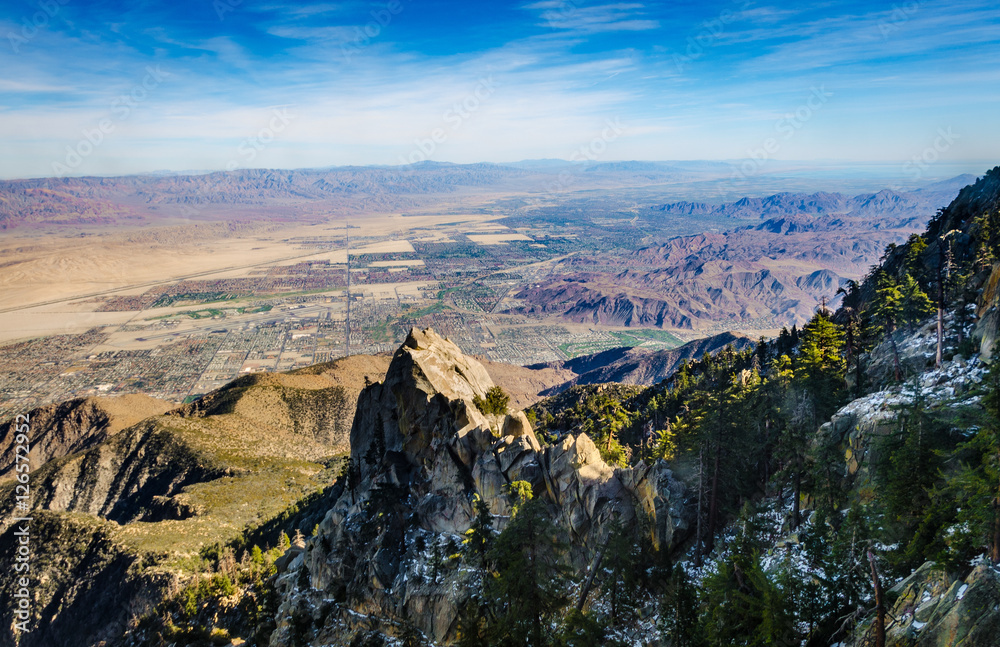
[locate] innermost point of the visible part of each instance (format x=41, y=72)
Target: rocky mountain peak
x=421, y=454
x=420, y=429
x=437, y=365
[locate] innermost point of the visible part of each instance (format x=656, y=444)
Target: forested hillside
x=796, y=517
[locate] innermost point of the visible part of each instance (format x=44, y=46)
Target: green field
x=647, y=338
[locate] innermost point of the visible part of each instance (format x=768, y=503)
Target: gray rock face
x=987, y=329
x=421, y=452
x=856, y=427
x=935, y=610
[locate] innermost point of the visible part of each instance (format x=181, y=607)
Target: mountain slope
x=124, y=491
x=70, y=427
x=642, y=366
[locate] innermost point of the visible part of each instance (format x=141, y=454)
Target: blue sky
x=124, y=87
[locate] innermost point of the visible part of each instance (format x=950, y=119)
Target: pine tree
x=979, y=479
x=528, y=588
x=745, y=606
x=581, y=629
x=915, y=247
x=604, y=427
x=495, y=403
x=888, y=309
x=518, y=493
x=679, y=611
x=820, y=365
x=915, y=305
x=832, y=596
x=622, y=563
x=479, y=538
x=907, y=470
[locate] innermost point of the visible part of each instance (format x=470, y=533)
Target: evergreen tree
x=915, y=305
x=472, y=626
x=978, y=481
x=907, y=469
x=528, y=586
x=605, y=428
x=986, y=231
x=888, y=309
x=679, y=611
x=915, y=247
x=833, y=595
x=518, y=493
x=582, y=629
x=496, y=402
x=622, y=564
x=820, y=364
x=479, y=538
x=744, y=606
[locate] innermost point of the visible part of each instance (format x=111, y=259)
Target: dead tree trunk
x=713, y=502
x=701, y=490
x=590, y=577
x=940, y=312
x=895, y=357
x=879, y=604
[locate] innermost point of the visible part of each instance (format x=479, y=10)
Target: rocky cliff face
x=59, y=430
x=933, y=609
x=132, y=475
x=421, y=451
x=86, y=585
x=857, y=426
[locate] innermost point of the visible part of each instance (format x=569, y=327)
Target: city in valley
x=180, y=287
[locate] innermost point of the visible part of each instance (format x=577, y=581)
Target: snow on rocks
x=857, y=422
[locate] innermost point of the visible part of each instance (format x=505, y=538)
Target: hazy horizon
x=108, y=88
x=891, y=169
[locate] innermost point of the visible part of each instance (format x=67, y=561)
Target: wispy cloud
x=572, y=17
x=561, y=69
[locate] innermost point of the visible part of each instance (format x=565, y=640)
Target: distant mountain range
x=302, y=193
x=917, y=204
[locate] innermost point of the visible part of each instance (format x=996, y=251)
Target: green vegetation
x=208, y=313
x=523, y=581
x=496, y=402
x=645, y=337
x=742, y=426
x=197, y=297
x=232, y=598
x=435, y=308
